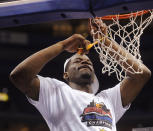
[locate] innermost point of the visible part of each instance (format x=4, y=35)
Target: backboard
x=23, y=12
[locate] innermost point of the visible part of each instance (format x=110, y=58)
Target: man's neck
x=85, y=88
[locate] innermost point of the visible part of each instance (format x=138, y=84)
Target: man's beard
x=86, y=76
x=85, y=79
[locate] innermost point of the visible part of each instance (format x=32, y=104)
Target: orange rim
x=124, y=16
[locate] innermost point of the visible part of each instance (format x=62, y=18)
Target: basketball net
x=124, y=30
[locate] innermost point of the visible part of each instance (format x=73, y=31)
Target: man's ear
x=65, y=76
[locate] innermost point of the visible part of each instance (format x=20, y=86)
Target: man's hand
x=76, y=41
x=97, y=28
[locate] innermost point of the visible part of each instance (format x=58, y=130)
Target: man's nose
x=84, y=62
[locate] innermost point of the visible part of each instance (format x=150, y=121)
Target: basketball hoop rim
x=125, y=16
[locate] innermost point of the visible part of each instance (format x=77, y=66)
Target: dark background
x=17, y=43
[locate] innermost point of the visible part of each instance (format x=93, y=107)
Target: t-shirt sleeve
x=114, y=96
x=47, y=96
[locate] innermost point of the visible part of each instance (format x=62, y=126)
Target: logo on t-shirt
x=102, y=130
x=97, y=114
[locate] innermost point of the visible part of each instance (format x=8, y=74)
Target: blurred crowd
x=24, y=127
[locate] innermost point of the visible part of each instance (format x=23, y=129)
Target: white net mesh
x=124, y=32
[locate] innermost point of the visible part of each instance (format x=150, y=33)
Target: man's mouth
x=85, y=66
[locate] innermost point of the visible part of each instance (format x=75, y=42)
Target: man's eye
x=76, y=61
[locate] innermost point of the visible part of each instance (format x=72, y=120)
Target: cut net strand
x=126, y=34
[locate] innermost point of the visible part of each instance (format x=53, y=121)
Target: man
x=73, y=106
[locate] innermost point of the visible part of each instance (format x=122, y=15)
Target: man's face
x=80, y=70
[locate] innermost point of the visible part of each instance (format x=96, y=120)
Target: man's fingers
x=87, y=42
x=78, y=42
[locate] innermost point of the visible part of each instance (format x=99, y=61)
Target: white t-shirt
x=67, y=109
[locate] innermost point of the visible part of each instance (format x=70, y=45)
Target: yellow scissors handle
x=88, y=47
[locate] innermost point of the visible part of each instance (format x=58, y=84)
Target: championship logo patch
x=97, y=114
x=102, y=130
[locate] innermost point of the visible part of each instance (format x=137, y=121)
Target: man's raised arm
x=24, y=75
x=133, y=83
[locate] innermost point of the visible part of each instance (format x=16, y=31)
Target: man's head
x=79, y=70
